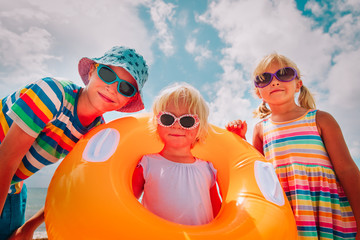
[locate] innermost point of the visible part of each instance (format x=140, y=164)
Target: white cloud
x=230, y=99
x=20, y=13
x=315, y=8
x=24, y=54
x=40, y=37
x=264, y=27
x=183, y=17
x=347, y=5
x=347, y=32
x=343, y=81
x=201, y=53
x=162, y=14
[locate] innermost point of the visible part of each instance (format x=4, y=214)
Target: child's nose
x=275, y=81
x=176, y=124
x=113, y=87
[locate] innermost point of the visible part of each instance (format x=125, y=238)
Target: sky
x=212, y=45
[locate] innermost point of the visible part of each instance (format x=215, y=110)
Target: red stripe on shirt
x=60, y=142
x=20, y=174
x=2, y=135
x=38, y=112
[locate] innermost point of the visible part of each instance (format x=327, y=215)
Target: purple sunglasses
x=286, y=74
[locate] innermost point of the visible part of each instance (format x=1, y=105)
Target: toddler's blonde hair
x=305, y=99
x=183, y=94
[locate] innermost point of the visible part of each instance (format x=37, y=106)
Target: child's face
x=175, y=136
x=105, y=97
x=278, y=92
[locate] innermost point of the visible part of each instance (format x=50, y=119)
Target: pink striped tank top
x=306, y=174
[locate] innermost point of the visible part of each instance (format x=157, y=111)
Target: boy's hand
x=238, y=127
x=26, y=231
x=21, y=234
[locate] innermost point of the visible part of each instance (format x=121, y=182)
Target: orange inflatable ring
x=90, y=195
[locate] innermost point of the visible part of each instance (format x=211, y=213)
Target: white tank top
x=178, y=192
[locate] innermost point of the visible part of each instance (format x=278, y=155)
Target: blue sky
x=213, y=45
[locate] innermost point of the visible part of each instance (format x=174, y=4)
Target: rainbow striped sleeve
x=37, y=105
x=47, y=111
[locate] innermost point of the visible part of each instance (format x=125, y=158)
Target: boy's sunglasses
x=187, y=121
x=286, y=74
x=109, y=77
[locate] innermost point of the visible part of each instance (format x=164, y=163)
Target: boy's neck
x=84, y=112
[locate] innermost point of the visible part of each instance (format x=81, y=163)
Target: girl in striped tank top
x=308, y=151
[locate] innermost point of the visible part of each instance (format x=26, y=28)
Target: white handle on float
x=101, y=141
x=268, y=182
x=102, y=145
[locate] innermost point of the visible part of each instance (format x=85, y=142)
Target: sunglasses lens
x=187, y=122
x=167, y=119
x=286, y=74
x=106, y=74
x=126, y=89
x=263, y=80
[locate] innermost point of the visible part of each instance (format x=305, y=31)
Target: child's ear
x=299, y=84
x=91, y=70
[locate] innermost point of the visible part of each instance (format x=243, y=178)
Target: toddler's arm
x=12, y=150
x=215, y=198
x=345, y=168
x=238, y=127
x=138, y=181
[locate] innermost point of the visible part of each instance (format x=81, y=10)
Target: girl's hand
x=238, y=127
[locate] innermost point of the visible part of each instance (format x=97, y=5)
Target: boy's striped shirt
x=46, y=110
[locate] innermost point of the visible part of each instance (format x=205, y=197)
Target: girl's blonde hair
x=181, y=94
x=305, y=99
